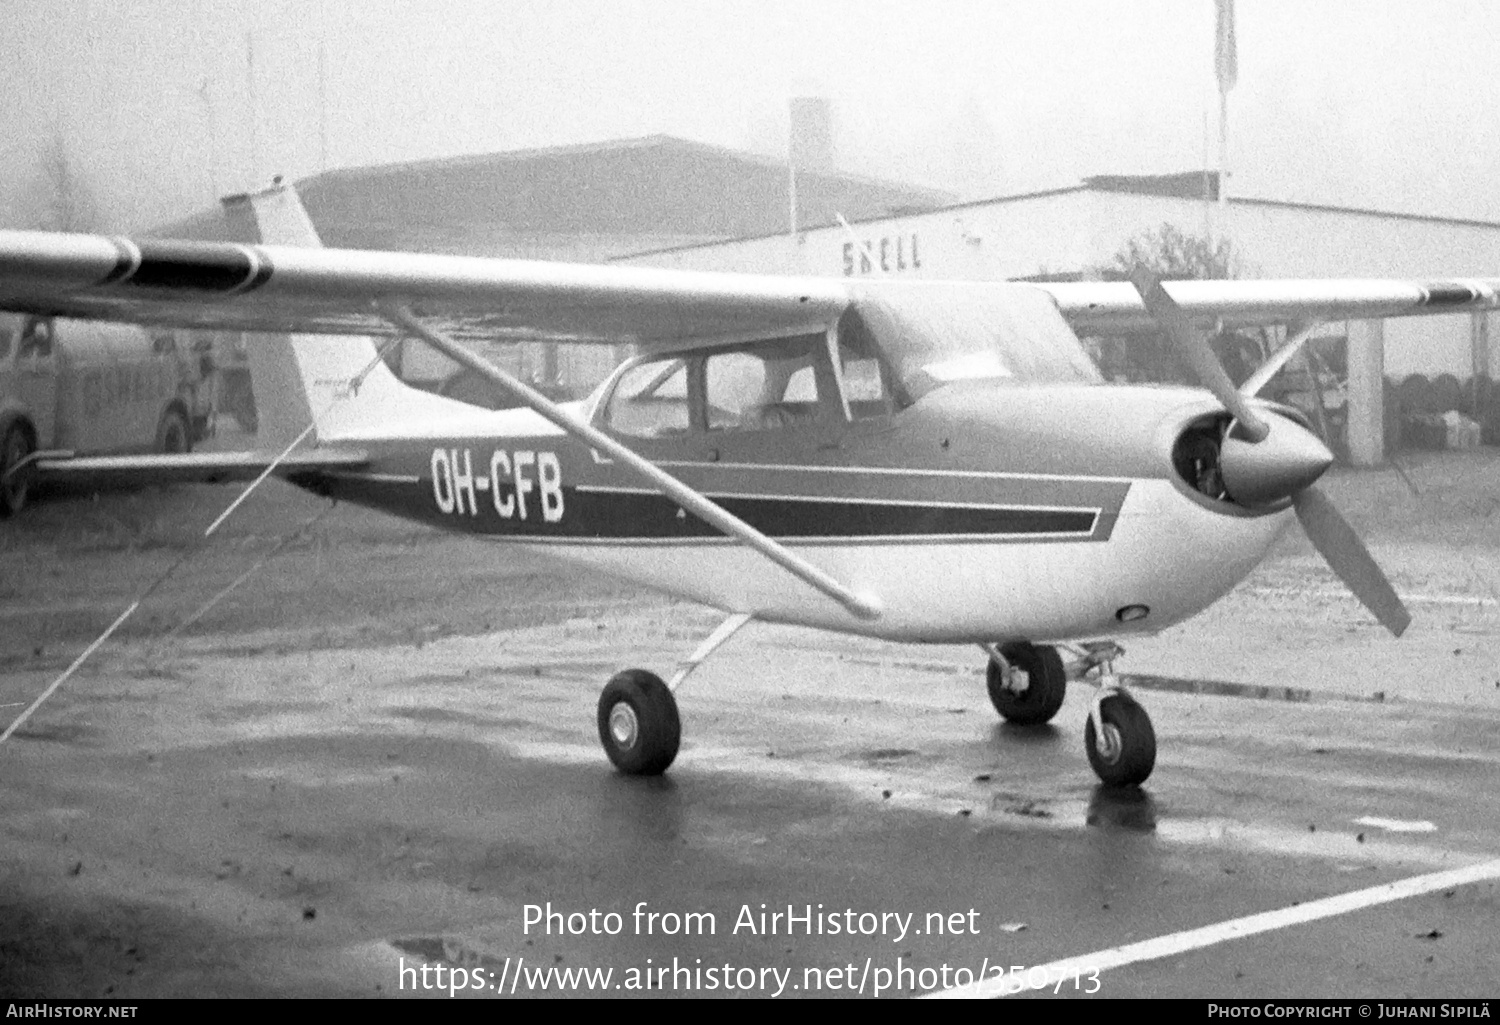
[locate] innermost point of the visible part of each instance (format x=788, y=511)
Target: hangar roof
x=584, y=202
x=1182, y=184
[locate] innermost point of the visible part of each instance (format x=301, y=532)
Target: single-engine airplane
x=914, y=461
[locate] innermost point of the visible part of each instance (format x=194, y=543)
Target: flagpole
x=1223, y=153
x=791, y=187
x=1208, y=193
x=791, y=195
x=1226, y=71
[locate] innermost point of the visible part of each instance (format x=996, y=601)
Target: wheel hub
x=1107, y=743
x=624, y=727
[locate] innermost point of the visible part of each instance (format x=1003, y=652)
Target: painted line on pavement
x=1222, y=932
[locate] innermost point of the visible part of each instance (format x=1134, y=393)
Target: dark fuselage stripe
x=725, y=497
x=639, y=516
x=651, y=516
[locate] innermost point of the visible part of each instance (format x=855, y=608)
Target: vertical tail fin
x=274, y=216
x=337, y=382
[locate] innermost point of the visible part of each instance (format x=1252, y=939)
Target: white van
x=86, y=387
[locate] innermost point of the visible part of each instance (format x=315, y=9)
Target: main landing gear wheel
x=1125, y=754
x=1047, y=684
x=638, y=723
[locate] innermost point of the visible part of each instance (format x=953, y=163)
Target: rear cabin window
x=651, y=400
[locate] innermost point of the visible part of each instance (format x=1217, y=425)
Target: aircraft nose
x=1289, y=459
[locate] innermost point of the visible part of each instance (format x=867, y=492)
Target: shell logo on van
x=109, y=388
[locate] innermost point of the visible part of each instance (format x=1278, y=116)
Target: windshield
x=934, y=333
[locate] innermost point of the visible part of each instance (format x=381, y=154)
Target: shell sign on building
x=889, y=254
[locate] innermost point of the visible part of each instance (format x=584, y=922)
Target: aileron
x=1104, y=307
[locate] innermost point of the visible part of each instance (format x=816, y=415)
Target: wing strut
x=864, y=606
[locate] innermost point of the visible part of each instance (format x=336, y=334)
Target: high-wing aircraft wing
x=1100, y=307
x=282, y=288
x=330, y=291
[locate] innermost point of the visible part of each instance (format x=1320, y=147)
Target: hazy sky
x=1374, y=103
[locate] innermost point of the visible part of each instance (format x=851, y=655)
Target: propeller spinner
x=1266, y=459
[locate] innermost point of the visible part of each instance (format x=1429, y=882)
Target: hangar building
x=669, y=202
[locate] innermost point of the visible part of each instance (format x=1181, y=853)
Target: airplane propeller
x=1192, y=352
x=1264, y=460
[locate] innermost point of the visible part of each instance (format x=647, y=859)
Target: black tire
x=1043, y=696
x=173, y=435
x=638, y=723
x=1131, y=751
x=15, y=446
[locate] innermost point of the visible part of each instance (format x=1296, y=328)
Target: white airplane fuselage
x=983, y=512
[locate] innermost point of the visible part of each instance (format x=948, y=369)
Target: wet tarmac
x=250, y=820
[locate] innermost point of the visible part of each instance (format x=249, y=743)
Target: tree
x=1173, y=255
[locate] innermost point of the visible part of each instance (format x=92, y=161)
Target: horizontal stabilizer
x=191, y=468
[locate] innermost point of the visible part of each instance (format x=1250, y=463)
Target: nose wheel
x=1122, y=747
x=1118, y=737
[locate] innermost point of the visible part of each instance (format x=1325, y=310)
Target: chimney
x=812, y=133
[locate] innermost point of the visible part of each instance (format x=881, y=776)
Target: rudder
x=338, y=381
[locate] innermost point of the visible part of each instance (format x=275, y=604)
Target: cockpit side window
x=765, y=385
x=651, y=400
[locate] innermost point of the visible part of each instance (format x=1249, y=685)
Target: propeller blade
x=1193, y=353
x=1347, y=555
